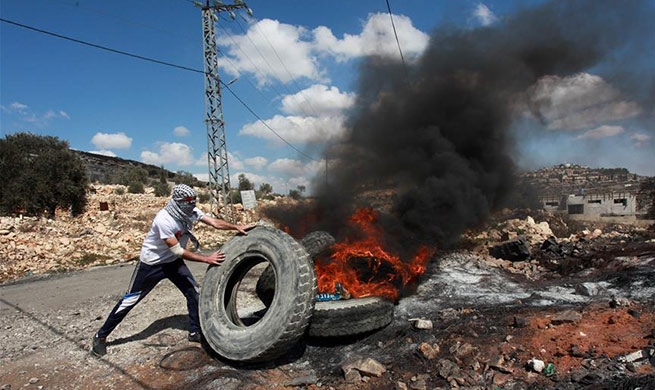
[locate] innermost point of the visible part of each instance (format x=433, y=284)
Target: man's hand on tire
x=215, y=258
x=243, y=229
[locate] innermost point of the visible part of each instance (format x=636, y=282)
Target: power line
x=396, y=35
x=161, y=63
x=103, y=47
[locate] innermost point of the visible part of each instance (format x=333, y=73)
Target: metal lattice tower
x=219, y=172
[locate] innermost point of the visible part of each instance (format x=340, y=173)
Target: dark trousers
x=144, y=278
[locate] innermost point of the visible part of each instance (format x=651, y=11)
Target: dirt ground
x=471, y=305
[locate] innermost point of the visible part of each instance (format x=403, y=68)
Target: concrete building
x=609, y=206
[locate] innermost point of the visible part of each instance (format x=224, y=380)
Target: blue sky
x=296, y=66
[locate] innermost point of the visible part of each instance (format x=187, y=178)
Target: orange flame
x=340, y=268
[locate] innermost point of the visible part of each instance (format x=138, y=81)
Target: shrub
x=135, y=187
x=235, y=194
x=203, y=197
x=184, y=177
x=39, y=174
x=295, y=194
x=119, y=191
x=244, y=183
x=162, y=189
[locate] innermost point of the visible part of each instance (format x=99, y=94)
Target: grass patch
x=90, y=258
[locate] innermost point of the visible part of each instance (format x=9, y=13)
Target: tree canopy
x=39, y=174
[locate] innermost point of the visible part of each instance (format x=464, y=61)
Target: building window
x=553, y=204
x=623, y=201
x=596, y=201
x=576, y=209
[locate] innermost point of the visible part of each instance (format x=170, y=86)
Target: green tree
x=295, y=194
x=301, y=188
x=135, y=187
x=162, y=189
x=39, y=174
x=184, y=177
x=244, y=183
x=265, y=188
x=163, y=177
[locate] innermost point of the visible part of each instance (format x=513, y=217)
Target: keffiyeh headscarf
x=180, y=207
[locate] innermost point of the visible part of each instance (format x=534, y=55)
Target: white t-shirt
x=154, y=249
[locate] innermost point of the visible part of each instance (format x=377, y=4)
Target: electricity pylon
x=219, y=172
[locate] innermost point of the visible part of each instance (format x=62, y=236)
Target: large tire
x=317, y=242
x=314, y=243
x=288, y=316
x=350, y=317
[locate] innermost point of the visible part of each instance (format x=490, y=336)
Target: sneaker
x=99, y=346
x=194, y=337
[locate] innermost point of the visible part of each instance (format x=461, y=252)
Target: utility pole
x=219, y=172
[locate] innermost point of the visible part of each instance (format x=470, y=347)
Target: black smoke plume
x=435, y=133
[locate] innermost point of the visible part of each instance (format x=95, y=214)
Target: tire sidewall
x=235, y=341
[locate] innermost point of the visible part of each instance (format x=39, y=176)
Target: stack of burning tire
x=287, y=289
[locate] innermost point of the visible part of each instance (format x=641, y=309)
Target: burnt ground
x=472, y=306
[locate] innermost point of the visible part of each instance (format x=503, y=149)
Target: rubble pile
x=524, y=246
x=109, y=232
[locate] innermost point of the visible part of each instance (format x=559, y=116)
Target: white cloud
x=173, y=153
x=202, y=176
x=484, y=15
x=233, y=161
x=181, y=131
x=376, y=38
x=577, y=102
x=296, y=129
x=111, y=140
x=64, y=114
x=640, y=139
x=601, y=132
x=277, y=51
x=318, y=100
x=16, y=106
x=256, y=162
x=272, y=39
x=103, y=152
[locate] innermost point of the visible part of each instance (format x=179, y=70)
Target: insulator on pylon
x=232, y=16
x=249, y=11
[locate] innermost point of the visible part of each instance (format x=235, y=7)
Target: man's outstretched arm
x=224, y=225
x=215, y=258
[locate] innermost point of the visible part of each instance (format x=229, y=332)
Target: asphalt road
x=64, y=291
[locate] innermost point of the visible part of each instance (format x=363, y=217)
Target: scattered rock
x=464, y=349
x=513, y=250
x=6, y=386
x=564, y=317
x=536, y=365
x=576, y=351
x=521, y=322
x=499, y=365
x=420, y=323
x=34, y=380
x=428, y=351
x=419, y=385
x=619, y=302
x=366, y=366
x=447, y=368
x=351, y=375
x=634, y=313
x=401, y=385
x=587, y=289
x=633, y=357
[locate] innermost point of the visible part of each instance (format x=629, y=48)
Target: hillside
x=567, y=179
x=103, y=169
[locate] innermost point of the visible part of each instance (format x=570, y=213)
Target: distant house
x=608, y=206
